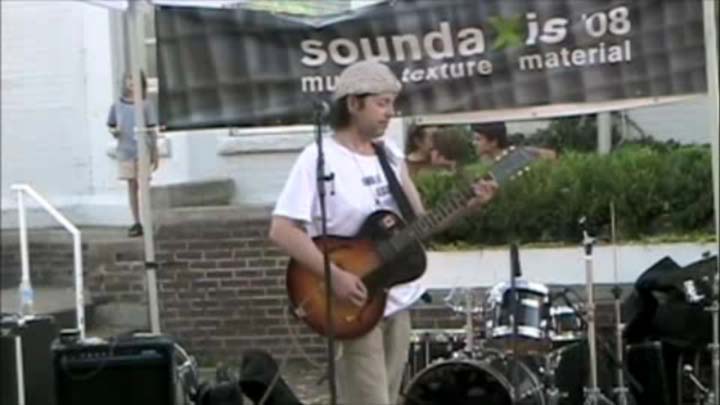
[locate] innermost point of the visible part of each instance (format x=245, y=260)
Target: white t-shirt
x=358, y=189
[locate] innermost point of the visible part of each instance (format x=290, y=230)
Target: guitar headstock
x=512, y=163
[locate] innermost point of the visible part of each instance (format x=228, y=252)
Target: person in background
x=491, y=140
x=121, y=124
x=421, y=153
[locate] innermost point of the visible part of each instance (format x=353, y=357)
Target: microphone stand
x=320, y=112
x=514, y=272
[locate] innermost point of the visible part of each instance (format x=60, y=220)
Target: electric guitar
x=385, y=252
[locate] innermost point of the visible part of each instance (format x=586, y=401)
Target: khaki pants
x=370, y=370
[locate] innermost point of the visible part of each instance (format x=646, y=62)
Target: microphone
x=321, y=108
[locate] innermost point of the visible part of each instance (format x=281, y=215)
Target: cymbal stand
x=593, y=395
x=469, y=309
x=714, y=396
x=621, y=391
x=469, y=327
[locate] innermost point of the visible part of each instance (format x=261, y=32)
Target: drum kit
x=520, y=346
x=525, y=345
x=543, y=363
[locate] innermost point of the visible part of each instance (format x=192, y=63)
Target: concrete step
x=209, y=192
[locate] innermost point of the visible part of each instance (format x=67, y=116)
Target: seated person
x=491, y=140
x=421, y=153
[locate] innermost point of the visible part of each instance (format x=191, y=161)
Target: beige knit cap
x=366, y=77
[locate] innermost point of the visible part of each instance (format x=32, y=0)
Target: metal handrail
x=77, y=248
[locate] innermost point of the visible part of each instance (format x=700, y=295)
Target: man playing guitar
x=370, y=368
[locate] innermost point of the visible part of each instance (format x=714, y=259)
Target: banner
x=241, y=67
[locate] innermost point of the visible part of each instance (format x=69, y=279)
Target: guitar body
x=369, y=256
x=384, y=253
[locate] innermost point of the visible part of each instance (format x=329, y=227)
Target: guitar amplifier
x=132, y=370
x=26, y=360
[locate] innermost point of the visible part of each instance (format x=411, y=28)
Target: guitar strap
x=395, y=189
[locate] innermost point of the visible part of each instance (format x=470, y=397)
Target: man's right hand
x=348, y=286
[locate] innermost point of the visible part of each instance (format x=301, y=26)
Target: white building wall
x=56, y=89
x=685, y=122
x=43, y=97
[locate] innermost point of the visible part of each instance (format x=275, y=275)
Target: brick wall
x=51, y=263
x=221, y=287
x=222, y=290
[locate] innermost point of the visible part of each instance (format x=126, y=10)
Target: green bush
x=655, y=192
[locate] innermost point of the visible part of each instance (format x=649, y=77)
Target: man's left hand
x=484, y=190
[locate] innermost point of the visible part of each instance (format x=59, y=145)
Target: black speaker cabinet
x=133, y=370
x=25, y=348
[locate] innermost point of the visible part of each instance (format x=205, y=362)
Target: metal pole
x=591, y=313
x=135, y=30
x=24, y=256
x=20, y=368
x=604, y=133
x=79, y=285
x=593, y=394
x=621, y=390
x=711, y=61
x=25, y=285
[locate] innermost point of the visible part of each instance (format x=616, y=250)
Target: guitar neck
x=425, y=226
x=505, y=168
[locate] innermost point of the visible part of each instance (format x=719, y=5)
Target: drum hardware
x=693, y=378
x=428, y=346
x=714, y=309
x=602, y=344
x=621, y=391
x=470, y=309
x=703, y=395
x=593, y=395
x=514, y=315
x=552, y=391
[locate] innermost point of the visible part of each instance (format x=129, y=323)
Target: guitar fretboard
x=424, y=226
x=511, y=163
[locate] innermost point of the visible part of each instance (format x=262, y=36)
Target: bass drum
x=572, y=374
x=487, y=381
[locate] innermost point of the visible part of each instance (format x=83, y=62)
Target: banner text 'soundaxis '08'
x=243, y=67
